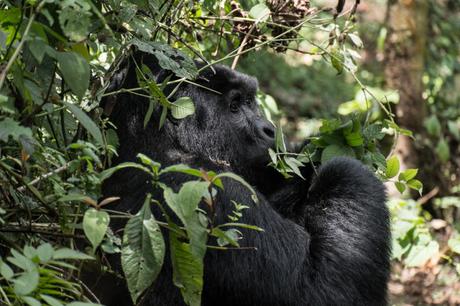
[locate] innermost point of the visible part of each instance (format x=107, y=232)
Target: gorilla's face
x=226, y=127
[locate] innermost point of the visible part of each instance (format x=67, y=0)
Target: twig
x=43, y=176
x=428, y=196
x=37, y=231
x=243, y=43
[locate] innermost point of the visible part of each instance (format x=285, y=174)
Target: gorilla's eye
x=235, y=103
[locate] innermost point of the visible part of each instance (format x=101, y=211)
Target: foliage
x=37, y=275
x=57, y=147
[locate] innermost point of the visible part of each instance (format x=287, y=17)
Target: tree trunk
x=407, y=24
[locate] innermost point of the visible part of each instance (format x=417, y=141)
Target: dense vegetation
x=56, y=146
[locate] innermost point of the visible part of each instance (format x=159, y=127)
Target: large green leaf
x=9, y=127
x=334, y=150
x=143, y=251
x=86, y=121
x=75, y=70
x=95, y=224
x=27, y=282
x=185, y=204
x=169, y=58
x=392, y=167
x=182, y=108
x=187, y=271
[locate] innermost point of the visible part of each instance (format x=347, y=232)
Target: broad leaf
x=86, y=121
x=182, y=108
x=392, y=167
x=187, y=271
x=185, y=205
x=143, y=251
x=9, y=127
x=335, y=150
x=75, y=70
x=95, y=224
x=27, y=282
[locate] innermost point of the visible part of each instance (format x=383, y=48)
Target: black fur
x=326, y=239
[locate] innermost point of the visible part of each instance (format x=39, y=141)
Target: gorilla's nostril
x=269, y=131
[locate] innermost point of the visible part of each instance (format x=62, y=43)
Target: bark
x=407, y=23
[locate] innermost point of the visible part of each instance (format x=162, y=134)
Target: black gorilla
x=326, y=239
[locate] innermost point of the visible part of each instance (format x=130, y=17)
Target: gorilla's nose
x=266, y=130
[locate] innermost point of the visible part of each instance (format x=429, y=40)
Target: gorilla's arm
x=340, y=256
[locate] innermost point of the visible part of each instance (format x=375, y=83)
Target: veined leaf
x=95, y=224
x=143, y=251
x=182, y=108
x=75, y=70
x=185, y=206
x=86, y=121
x=187, y=271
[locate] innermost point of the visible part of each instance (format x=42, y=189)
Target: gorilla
x=326, y=237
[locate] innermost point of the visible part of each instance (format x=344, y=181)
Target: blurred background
x=410, y=55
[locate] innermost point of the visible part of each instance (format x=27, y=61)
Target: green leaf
x=182, y=108
x=240, y=180
x=86, y=121
x=45, y=252
x=354, y=139
x=27, y=282
x=229, y=236
x=187, y=271
x=75, y=21
x=260, y=12
x=392, y=167
x=442, y=150
x=83, y=304
x=416, y=185
x=169, y=58
x=95, y=224
x=66, y=253
x=142, y=252
x=294, y=164
x=400, y=186
x=337, y=60
x=356, y=40
x=149, y=112
x=420, y=254
x=38, y=49
x=9, y=127
x=454, y=128
x=51, y=300
x=334, y=150
x=109, y=172
x=5, y=270
x=31, y=301
x=75, y=70
x=182, y=169
x=155, y=166
x=185, y=206
x=407, y=175
x=454, y=243
x=433, y=126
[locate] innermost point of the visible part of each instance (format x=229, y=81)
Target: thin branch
x=43, y=176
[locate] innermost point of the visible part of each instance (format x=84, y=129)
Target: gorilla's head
x=227, y=126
